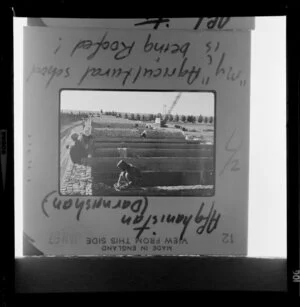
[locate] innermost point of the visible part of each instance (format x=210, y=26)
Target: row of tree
x=169, y=117
x=69, y=115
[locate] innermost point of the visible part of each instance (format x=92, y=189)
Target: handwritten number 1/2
x=234, y=162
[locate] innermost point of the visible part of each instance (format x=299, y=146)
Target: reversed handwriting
x=120, y=48
x=58, y=47
x=162, y=48
x=156, y=22
x=188, y=73
x=49, y=72
x=134, y=213
x=212, y=22
x=208, y=222
x=230, y=73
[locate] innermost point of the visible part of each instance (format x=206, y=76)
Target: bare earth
x=79, y=180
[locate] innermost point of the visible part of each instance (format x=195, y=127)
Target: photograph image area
x=151, y=143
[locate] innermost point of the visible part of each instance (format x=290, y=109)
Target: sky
x=190, y=103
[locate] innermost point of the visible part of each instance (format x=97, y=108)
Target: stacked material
x=136, y=133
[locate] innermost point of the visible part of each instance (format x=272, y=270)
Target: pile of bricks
x=77, y=180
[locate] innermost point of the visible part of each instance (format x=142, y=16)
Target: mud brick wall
x=77, y=180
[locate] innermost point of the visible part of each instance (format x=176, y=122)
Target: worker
x=130, y=176
x=88, y=142
x=78, y=151
x=144, y=134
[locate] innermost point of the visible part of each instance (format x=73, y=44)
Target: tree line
x=169, y=117
x=74, y=116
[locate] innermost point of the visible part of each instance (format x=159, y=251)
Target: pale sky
x=190, y=103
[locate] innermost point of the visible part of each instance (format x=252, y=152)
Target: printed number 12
x=227, y=238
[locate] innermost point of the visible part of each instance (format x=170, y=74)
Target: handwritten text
x=135, y=213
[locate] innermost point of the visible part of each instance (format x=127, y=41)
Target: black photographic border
x=274, y=276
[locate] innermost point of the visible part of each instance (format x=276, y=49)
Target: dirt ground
x=79, y=180
x=203, y=132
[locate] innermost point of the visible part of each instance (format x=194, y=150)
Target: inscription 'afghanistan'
x=206, y=218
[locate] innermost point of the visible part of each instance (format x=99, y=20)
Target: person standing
x=77, y=151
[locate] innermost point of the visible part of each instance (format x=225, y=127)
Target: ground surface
x=118, y=137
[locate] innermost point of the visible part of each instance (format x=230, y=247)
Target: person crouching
x=129, y=177
x=144, y=134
